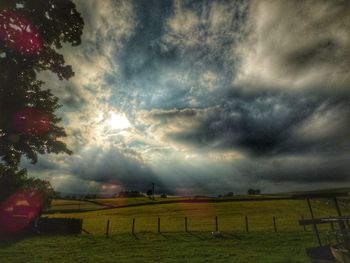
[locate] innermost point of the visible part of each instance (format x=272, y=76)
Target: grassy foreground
x=173, y=244
x=201, y=216
x=168, y=247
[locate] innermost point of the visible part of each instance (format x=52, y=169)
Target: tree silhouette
x=31, y=32
x=11, y=180
x=149, y=193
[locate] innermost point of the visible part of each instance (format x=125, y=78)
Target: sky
x=205, y=97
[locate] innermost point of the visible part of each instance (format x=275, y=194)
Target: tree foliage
x=13, y=180
x=252, y=191
x=149, y=193
x=30, y=34
x=128, y=194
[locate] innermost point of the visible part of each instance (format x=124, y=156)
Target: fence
x=136, y=225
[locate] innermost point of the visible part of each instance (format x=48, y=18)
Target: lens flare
x=19, y=34
x=32, y=120
x=18, y=211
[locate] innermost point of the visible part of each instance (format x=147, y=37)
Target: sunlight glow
x=118, y=121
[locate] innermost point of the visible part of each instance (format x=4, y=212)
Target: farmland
x=169, y=247
x=173, y=244
x=201, y=216
x=60, y=205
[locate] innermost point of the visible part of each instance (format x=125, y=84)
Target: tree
x=13, y=180
x=254, y=191
x=149, y=193
x=43, y=187
x=229, y=194
x=30, y=34
x=251, y=191
x=128, y=194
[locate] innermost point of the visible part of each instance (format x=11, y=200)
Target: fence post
x=333, y=229
x=341, y=223
x=133, y=226
x=107, y=229
x=158, y=224
x=313, y=221
x=246, y=224
x=216, y=224
x=274, y=224
x=332, y=226
x=186, y=224
x=302, y=218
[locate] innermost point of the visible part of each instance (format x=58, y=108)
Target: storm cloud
x=268, y=124
x=296, y=45
x=219, y=96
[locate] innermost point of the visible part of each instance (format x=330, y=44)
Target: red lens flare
x=32, y=120
x=18, y=211
x=19, y=34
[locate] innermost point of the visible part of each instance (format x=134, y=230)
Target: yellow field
x=201, y=216
x=73, y=205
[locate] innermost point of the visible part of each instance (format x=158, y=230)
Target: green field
x=61, y=205
x=201, y=216
x=136, y=200
x=66, y=205
x=145, y=200
x=173, y=244
x=171, y=247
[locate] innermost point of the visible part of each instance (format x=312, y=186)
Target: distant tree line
x=135, y=193
x=228, y=194
x=121, y=194
x=252, y=191
x=130, y=194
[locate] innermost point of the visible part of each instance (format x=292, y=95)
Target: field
x=72, y=206
x=173, y=244
x=174, y=247
x=201, y=216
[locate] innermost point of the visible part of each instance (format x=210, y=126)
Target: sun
x=117, y=121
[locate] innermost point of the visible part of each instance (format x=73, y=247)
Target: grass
x=169, y=247
x=201, y=216
x=146, y=200
x=132, y=201
x=65, y=205
x=173, y=244
x=61, y=205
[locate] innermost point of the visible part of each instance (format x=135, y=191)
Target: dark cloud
x=43, y=164
x=296, y=45
x=205, y=32
x=266, y=81
x=142, y=51
x=163, y=65
x=305, y=169
x=165, y=115
x=113, y=165
x=315, y=53
x=264, y=124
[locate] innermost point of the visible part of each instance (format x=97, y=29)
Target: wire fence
x=155, y=224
